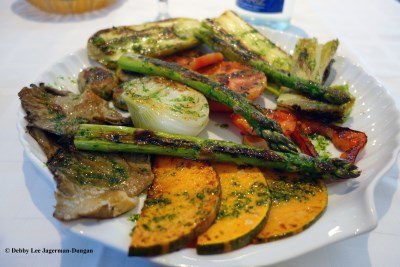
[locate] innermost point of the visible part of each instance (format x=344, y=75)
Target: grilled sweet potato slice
x=245, y=202
x=181, y=203
x=297, y=203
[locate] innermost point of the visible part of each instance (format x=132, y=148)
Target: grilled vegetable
x=185, y=58
x=223, y=38
x=296, y=204
x=155, y=39
x=264, y=127
x=181, y=203
x=253, y=40
x=205, y=60
x=311, y=60
x=117, y=98
x=160, y=104
x=286, y=119
x=91, y=184
x=238, y=77
x=61, y=112
x=123, y=76
x=313, y=108
x=245, y=202
x=127, y=139
x=100, y=81
x=349, y=141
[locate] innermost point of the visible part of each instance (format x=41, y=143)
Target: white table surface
x=32, y=41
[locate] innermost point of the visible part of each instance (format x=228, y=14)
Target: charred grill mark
x=324, y=167
x=224, y=39
x=205, y=149
x=144, y=137
x=210, y=148
x=116, y=138
x=324, y=116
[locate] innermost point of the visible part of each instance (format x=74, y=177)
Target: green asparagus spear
x=217, y=37
x=127, y=139
x=268, y=129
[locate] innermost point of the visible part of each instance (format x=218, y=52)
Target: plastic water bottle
x=272, y=13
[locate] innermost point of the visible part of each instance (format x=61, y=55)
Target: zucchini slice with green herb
x=296, y=204
x=155, y=39
x=181, y=203
x=245, y=202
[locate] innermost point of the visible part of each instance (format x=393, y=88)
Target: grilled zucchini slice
x=245, y=203
x=154, y=39
x=181, y=203
x=296, y=204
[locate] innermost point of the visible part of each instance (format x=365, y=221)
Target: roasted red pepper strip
x=286, y=119
x=242, y=124
x=301, y=139
x=206, y=60
x=256, y=141
x=349, y=141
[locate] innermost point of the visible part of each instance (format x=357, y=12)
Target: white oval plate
x=351, y=209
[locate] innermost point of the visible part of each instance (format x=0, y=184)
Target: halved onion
x=160, y=104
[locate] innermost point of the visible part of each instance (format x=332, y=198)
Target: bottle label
x=265, y=6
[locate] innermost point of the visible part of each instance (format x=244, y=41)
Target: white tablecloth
x=32, y=41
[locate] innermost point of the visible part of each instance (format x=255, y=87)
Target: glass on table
x=163, y=12
x=272, y=13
